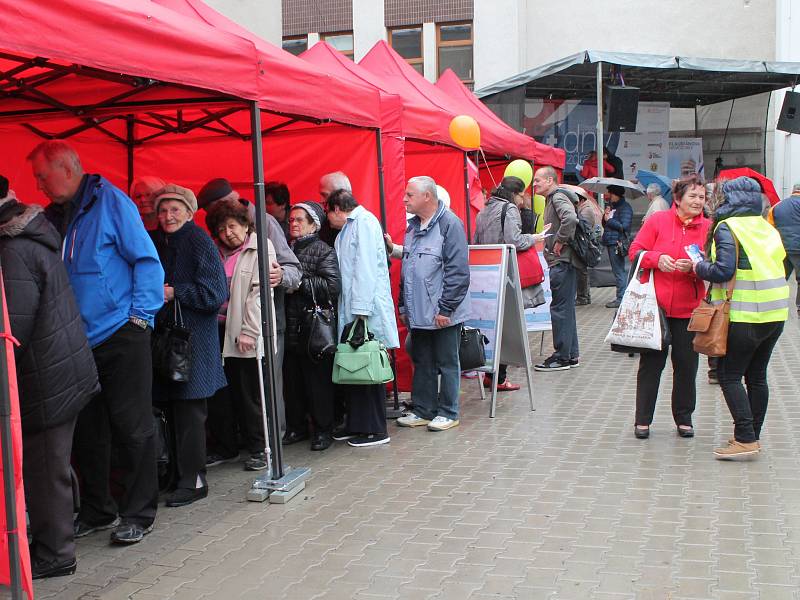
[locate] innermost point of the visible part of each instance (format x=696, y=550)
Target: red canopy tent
x=176, y=95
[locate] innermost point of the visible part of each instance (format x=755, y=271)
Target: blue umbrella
x=648, y=177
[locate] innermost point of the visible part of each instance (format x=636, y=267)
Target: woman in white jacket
x=231, y=226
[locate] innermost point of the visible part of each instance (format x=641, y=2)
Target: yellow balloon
x=538, y=208
x=465, y=131
x=520, y=168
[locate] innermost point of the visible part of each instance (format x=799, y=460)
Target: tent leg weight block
x=257, y=495
x=279, y=497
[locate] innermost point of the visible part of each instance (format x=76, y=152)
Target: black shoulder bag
x=172, y=348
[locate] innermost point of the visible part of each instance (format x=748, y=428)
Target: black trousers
x=235, y=410
x=188, y=419
x=684, y=366
x=366, y=408
x=122, y=411
x=753, y=344
x=308, y=391
x=501, y=374
x=48, y=492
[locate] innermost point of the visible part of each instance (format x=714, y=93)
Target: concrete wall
x=786, y=147
x=706, y=28
x=368, y=28
x=262, y=17
x=500, y=31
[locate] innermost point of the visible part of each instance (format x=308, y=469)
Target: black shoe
x=184, y=496
x=82, y=528
x=612, y=304
x=292, y=437
x=371, y=439
x=582, y=302
x=212, y=460
x=342, y=434
x=574, y=363
x=321, y=441
x=641, y=433
x=256, y=462
x=130, y=533
x=41, y=569
x=552, y=364
x=686, y=433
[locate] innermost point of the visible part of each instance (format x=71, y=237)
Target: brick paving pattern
x=562, y=503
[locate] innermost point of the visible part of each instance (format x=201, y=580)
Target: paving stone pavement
x=561, y=503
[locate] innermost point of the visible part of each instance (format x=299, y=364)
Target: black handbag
x=472, y=349
x=318, y=330
x=666, y=336
x=172, y=348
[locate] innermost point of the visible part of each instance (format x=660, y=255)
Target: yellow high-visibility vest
x=761, y=294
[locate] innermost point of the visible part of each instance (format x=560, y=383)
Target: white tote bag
x=637, y=323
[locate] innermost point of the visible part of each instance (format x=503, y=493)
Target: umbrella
x=575, y=189
x=599, y=184
x=766, y=184
x=648, y=177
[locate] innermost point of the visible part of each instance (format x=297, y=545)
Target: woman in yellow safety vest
x=759, y=307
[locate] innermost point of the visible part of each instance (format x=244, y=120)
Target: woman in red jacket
x=663, y=238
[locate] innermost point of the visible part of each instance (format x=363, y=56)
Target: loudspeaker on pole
x=789, y=119
x=622, y=106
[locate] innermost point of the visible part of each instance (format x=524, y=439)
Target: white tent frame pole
x=599, y=133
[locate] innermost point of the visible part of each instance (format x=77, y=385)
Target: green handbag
x=368, y=364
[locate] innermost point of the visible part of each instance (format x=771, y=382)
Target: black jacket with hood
x=742, y=199
x=55, y=366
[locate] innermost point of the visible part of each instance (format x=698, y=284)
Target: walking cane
x=264, y=417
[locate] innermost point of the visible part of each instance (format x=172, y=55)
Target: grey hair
x=58, y=151
x=339, y=180
x=654, y=189
x=425, y=184
x=796, y=188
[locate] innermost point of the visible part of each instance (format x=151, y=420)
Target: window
x=454, y=49
x=342, y=41
x=407, y=42
x=295, y=44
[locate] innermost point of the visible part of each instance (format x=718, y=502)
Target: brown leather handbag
x=710, y=322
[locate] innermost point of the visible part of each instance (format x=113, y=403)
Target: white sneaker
x=412, y=420
x=442, y=423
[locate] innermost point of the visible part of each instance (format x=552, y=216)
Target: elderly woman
x=143, y=194
x=746, y=248
x=366, y=294
x=307, y=386
x=194, y=278
x=663, y=239
x=239, y=321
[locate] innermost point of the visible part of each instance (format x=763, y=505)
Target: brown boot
x=736, y=449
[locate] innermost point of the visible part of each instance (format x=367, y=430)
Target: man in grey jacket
x=433, y=303
x=560, y=215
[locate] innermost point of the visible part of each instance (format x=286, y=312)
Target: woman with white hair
x=143, y=194
x=657, y=201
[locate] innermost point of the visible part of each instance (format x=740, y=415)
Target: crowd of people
x=94, y=277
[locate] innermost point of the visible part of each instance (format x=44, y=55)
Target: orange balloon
x=465, y=132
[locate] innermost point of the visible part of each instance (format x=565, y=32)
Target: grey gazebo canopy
x=684, y=82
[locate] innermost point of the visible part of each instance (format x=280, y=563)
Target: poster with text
x=646, y=151
x=685, y=157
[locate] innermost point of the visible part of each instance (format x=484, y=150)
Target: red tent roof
x=287, y=83
x=389, y=65
x=543, y=154
x=327, y=58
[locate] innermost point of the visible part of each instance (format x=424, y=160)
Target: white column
x=368, y=26
x=313, y=38
x=429, y=51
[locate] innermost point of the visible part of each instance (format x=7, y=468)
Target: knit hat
x=176, y=192
x=617, y=190
x=214, y=190
x=314, y=210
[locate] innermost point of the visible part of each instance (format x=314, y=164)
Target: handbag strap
x=732, y=281
x=177, y=314
x=503, y=219
x=353, y=329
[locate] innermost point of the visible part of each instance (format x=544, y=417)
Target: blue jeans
x=563, y=284
x=618, y=269
x=435, y=353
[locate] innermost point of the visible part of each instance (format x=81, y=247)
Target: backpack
x=586, y=243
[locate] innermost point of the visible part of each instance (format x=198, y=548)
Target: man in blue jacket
x=433, y=303
x=119, y=285
x=786, y=217
x=616, y=237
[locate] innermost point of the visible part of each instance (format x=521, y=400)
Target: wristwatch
x=139, y=322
